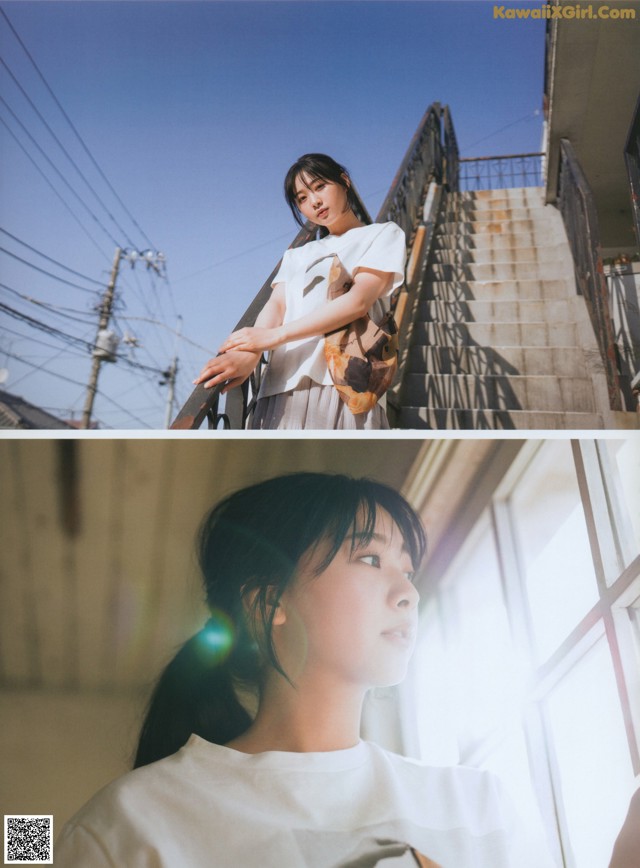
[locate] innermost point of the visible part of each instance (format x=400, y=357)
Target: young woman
x=250, y=754
x=297, y=391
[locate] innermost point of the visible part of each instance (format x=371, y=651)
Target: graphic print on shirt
x=393, y=844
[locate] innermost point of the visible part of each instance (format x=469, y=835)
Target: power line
x=46, y=362
x=54, y=332
x=66, y=204
x=31, y=339
x=82, y=385
x=64, y=151
x=75, y=131
x=58, y=172
x=232, y=257
x=527, y=117
x=49, y=259
x=44, y=327
x=169, y=329
x=53, y=308
x=44, y=271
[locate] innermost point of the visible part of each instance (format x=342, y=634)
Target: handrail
x=506, y=170
x=577, y=206
x=451, y=174
x=203, y=403
x=632, y=160
x=425, y=159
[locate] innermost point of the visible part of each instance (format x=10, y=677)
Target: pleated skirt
x=311, y=406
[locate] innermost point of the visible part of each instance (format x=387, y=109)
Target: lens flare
x=217, y=637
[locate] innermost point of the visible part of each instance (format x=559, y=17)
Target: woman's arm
x=237, y=365
x=368, y=286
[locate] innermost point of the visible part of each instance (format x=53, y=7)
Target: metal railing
x=632, y=159
x=497, y=173
x=577, y=206
x=432, y=155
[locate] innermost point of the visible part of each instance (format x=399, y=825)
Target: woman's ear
x=272, y=601
x=347, y=180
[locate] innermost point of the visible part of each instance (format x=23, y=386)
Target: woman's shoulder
x=139, y=789
x=456, y=785
x=387, y=228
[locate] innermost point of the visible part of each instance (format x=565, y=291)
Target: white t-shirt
x=304, y=272
x=209, y=806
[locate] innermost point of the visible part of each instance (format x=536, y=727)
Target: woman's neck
x=303, y=719
x=344, y=223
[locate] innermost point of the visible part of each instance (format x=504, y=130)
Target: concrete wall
x=57, y=749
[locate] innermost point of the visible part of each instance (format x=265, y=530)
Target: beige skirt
x=313, y=407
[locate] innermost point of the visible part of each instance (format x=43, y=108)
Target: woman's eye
x=410, y=576
x=371, y=560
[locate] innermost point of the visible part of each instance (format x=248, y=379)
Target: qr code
x=28, y=839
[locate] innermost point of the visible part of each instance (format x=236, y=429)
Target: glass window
x=592, y=755
x=509, y=760
x=485, y=678
x=553, y=544
x=621, y=464
x=437, y=739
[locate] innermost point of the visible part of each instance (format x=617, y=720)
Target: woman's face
x=356, y=622
x=322, y=202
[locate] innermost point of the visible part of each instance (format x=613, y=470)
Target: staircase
x=500, y=337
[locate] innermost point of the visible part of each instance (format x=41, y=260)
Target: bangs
x=319, y=167
x=356, y=522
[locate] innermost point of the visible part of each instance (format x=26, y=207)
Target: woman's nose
x=407, y=596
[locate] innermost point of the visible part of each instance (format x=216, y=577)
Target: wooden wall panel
x=99, y=580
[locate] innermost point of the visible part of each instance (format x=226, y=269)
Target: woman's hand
x=254, y=339
x=233, y=366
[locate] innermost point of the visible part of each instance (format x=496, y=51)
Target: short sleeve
x=284, y=272
x=387, y=252
x=78, y=846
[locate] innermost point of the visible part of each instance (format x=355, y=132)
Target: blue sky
x=194, y=111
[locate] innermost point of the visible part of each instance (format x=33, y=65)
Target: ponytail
x=249, y=549
x=195, y=694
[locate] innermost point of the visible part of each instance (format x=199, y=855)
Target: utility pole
x=171, y=376
x=105, y=316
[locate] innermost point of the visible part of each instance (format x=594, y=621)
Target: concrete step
x=499, y=290
x=502, y=420
x=543, y=236
x=496, y=360
x=540, y=270
x=490, y=334
x=511, y=211
x=512, y=311
x=492, y=255
x=499, y=392
x=530, y=195
x=499, y=227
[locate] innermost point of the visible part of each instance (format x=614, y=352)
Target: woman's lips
x=402, y=635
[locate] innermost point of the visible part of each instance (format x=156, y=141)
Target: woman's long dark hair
x=250, y=546
x=319, y=167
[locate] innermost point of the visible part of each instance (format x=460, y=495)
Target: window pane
x=485, y=681
x=509, y=761
x=553, y=543
x=430, y=678
x=592, y=754
x=623, y=485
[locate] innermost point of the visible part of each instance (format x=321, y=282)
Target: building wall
x=58, y=748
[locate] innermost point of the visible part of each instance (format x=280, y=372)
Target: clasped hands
x=239, y=355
